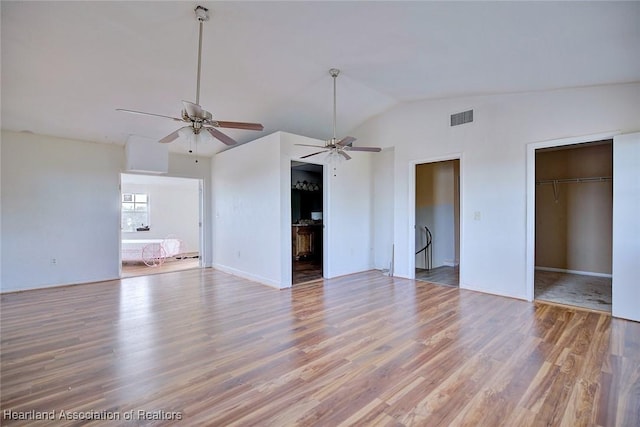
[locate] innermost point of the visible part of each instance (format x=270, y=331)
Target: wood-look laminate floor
x=215, y=350
x=443, y=275
x=134, y=269
x=306, y=271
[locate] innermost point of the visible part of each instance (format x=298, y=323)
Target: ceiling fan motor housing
x=202, y=13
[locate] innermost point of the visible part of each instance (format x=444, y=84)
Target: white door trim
x=531, y=196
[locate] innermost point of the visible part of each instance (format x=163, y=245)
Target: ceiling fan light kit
x=193, y=114
x=337, y=149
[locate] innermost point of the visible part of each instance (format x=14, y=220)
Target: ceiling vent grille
x=462, y=118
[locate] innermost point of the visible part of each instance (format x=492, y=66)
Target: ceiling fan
x=333, y=146
x=193, y=114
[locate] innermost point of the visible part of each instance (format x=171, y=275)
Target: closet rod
x=575, y=180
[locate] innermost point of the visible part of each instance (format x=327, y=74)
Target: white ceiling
x=66, y=66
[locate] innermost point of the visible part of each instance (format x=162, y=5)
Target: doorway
x=307, y=224
x=437, y=222
x=161, y=224
x=573, y=224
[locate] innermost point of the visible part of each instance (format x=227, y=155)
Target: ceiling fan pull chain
x=197, y=138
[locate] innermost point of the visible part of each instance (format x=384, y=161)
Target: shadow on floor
x=306, y=271
x=134, y=269
x=444, y=275
x=573, y=289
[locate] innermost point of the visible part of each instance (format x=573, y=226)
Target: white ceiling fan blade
x=371, y=149
x=221, y=136
x=313, y=154
x=347, y=140
x=173, y=135
x=149, y=114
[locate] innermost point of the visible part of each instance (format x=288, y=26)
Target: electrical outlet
x=476, y=216
x=54, y=261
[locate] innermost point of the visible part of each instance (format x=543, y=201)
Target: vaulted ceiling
x=67, y=66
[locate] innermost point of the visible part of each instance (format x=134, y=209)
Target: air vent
x=462, y=118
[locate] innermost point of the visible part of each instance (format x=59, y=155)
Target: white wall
x=252, y=205
x=350, y=213
x=1, y=233
x=493, y=170
x=61, y=199
x=185, y=166
x=174, y=208
x=382, y=208
x=247, y=210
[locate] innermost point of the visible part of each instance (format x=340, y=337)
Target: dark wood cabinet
x=306, y=241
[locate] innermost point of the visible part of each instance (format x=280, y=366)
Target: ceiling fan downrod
x=334, y=73
x=202, y=14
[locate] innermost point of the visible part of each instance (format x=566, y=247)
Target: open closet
x=573, y=224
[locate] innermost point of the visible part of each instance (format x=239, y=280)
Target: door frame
x=288, y=265
x=531, y=197
x=412, y=211
x=201, y=217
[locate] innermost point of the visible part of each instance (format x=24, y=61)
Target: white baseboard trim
x=490, y=291
x=582, y=273
x=450, y=263
x=248, y=276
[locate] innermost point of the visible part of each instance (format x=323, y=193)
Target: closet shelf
x=574, y=180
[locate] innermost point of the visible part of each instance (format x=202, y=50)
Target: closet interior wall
x=574, y=218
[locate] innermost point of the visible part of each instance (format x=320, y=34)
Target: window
x=135, y=211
